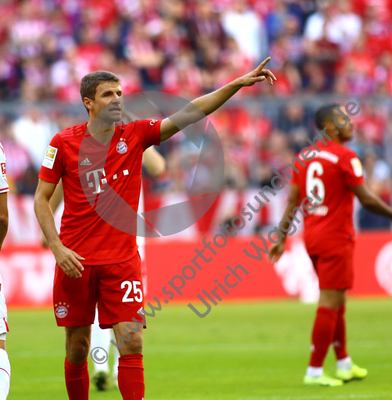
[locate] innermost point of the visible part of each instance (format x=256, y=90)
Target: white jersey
x=3, y=189
x=3, y=179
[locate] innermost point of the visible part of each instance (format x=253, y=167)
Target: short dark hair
x=325, y=113
x=88, y=86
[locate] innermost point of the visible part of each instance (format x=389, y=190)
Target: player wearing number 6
x=331, y=175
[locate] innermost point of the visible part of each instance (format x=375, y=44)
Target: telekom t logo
x=96, y=180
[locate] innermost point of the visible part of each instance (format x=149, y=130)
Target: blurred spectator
x=383, y=74
x=235, y=165
x=293, y=121
x=29, y=181
x=357, y=70
x=314, y=78
x=10, y=73
x=18, y=158
x=29, y=30
x=182, y=77
x=334, y=22
x=65, y=78
x=378, y=177
x=371, y=124
x=142, y=52
x=247, y=29
x=205, y=24
x=33, y=131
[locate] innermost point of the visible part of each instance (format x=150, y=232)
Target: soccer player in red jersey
x=155, y=166
x=95, y=191
x=330, y=175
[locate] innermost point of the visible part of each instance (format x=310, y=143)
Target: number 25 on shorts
x=137, y=291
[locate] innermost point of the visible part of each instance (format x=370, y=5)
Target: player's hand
x=258, y=75
x=68, y=261
x=276, y=252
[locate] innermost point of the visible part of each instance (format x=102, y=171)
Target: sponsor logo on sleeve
x=152, y=122
x=357, y=166
x=50, y=157
x=3, y=169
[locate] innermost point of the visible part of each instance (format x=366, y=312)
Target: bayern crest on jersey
x=61, y=311
x=121, y=147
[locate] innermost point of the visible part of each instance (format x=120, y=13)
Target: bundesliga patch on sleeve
x=50, y=156
x=357, y=166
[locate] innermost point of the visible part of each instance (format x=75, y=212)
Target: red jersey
x=101, y=188
x=329, y=174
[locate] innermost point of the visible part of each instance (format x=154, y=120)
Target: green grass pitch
x=240, y=351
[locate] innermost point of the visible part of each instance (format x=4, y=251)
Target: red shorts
x=117, y=289
x=334, y=267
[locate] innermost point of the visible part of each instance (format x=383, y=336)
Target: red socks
x=339, y=340
x=77, y=380
x=323, y=334
x=131, y=377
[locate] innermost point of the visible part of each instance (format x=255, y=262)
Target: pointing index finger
x=264, y=63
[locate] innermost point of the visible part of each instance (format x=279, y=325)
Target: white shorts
x=3, y=312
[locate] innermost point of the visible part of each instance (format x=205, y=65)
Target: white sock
x=5, y=374
x=345, y=363
x=314, y=372
x=100, y=338
x=116, y=357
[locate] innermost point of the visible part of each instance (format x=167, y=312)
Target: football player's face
x=345, y=133
x=108, y=101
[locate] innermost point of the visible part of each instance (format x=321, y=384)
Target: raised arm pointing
x=207, y=104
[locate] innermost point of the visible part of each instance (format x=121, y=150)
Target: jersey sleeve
x=150, y=132
x=3, y=178
x=352, y=170
x=53, y=164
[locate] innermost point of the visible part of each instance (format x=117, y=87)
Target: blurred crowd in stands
x=188, y=48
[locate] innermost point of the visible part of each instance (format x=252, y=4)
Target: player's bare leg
x=77, y=346
x=130, y=368
x=332, y=298
x=5, y=370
